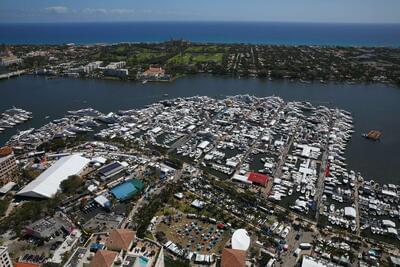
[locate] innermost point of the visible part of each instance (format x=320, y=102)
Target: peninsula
x=172, y=59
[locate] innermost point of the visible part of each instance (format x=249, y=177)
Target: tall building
x=5, y=260
x=7, y=58
x=8, y=164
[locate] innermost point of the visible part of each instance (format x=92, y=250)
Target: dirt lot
x=195, y=235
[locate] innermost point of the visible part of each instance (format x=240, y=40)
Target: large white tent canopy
x=48, y=183
x=240, y=239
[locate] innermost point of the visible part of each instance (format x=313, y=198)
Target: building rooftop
x=240, y=240
x=120, y=239
x=127, y=189
x=5, y=151
x=103, y=258
x=155, y=71
x=25, y=264
x=48, y=183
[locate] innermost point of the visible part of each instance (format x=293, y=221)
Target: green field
x=193, y=58
x=210, y=49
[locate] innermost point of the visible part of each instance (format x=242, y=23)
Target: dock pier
x=11, y=74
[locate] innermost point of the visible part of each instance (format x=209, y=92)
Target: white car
x=279, y=229
x=273, y=227
x=285, y=232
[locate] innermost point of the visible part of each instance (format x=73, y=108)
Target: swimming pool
x=141, y=262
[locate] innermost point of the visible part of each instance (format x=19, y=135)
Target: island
x=172, y=59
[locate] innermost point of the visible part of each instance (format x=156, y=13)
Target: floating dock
x=373, y=135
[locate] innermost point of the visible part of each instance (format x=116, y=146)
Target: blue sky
x=358, y=11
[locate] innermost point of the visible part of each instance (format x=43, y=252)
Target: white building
x=241, y=240
x=93, y=66
x=48, y=183
x=5, y=260
x=313, y=262
x=116, y=65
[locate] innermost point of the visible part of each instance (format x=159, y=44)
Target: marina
x=269, y=163
x=13, y=117
x=177, y=140
x=303, y=151
x=377, y=161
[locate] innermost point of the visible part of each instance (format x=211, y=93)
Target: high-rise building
x=5, y=260
x=8, y=164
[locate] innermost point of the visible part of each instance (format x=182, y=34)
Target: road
x=356, y=187
x=187, y=137
x=142, y=200
x=321, y=178
x=320, y=182
x=278, y=171
x=288, y=259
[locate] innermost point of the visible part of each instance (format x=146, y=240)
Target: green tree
x=71, y=185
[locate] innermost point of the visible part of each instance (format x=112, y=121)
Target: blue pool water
x=142, y=262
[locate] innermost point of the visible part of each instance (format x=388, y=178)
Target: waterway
x=374, y=106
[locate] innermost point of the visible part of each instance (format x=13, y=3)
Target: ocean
x=215, y=32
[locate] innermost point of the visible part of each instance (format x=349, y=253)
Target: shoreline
x=175, y=78
x=68, y=94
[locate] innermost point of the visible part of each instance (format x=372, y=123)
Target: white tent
x=240, y=178
x=350, y=212
x=240, y=239
x=7, y=187
x=48, y=183
x=103, y=201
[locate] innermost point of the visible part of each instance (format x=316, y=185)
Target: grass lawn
x=207, y=49
x=145, y=56
x=193, y=58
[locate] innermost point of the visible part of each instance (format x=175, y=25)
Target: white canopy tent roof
x=240, y=239
x=350, y=212
x=48, y=183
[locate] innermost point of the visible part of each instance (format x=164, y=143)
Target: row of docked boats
x=76, y=122
x=310, y=128
x=13, y=117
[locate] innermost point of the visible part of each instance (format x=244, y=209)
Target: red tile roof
x=154, y=71
x=258, y=178
x=233, y=258
x=103, y=258
x=5, y=151
x=120, y=239
x=25, y=264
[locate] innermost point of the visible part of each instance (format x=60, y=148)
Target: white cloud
x=102, y=11
x=57, y=9
x=94, y=11
x=122, y=11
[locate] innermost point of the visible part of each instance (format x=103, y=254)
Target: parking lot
x=194, y=235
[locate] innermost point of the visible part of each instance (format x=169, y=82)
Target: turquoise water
x=127, y=189
x=142, y=262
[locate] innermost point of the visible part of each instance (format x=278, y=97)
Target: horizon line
x=198, y=21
